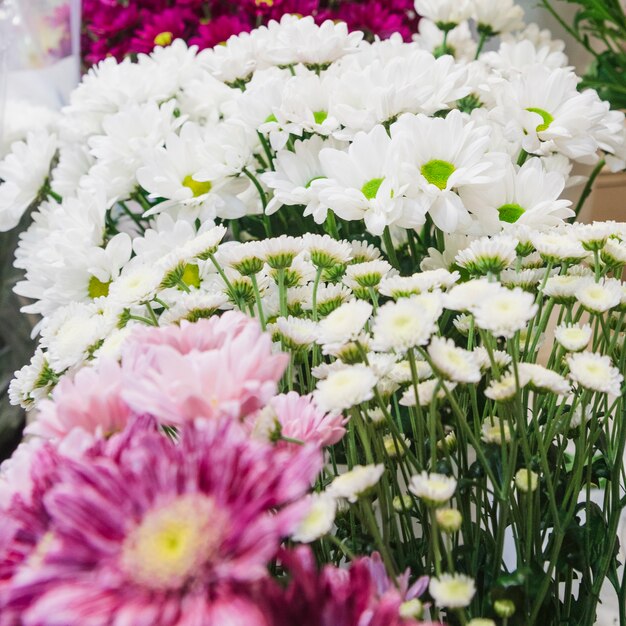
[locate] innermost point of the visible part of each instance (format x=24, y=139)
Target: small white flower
x=496, y=430
x=615, y=252
x=367, y=274
x=555, y=247
x=444, y=11
x=595, y=372
x=452, y=590
x=465, y=296
x=296, y=333
x=426, y=392
x=563, y=287
x=505, y=388
x=454, y=363
x=402, y=325
x=319, y=519
x=501, y=358
x=505, y=312
x=280, y=252
x=543, y=379
x=498, y=16
x=395, y=448
x=327, y=252
x=488, y=255
x=434, y=489
x=353, y=484
x=345, y=388
x=599, y=297
x=573, y=337
x=345, y=323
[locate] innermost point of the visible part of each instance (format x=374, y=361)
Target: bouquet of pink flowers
x=122, y=28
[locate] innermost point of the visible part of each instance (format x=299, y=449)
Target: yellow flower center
x=267, y=3
x=163, y=39
x=172, y=543
x=197, y=188
x=97, y=288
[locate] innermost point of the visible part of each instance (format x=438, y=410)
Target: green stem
x=589, y=186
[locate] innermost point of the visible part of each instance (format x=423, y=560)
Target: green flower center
x=97, y=288
x=437, y=172
x=270, y=118
x=163, y=39
x=510, y=213
x=320, y=117
x=197, y=188
x=545, y=116
x=371, y=187
x=313, y=180
x=191, y=275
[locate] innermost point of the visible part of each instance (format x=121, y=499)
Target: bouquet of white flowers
x=392, y=217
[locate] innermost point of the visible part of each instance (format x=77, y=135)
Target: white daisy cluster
x=296, y=124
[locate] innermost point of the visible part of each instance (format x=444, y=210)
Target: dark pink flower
x=334, y=597
x=161, y=29
x=218, y=30
x=145, y=530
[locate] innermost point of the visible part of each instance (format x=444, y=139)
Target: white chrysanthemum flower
x=345, y=388
x=356, y=482
x=393, y=447
x=592, y=236
x=466, y=296
x=367, y=274
x=488, y=255
x=614, y=251
x=505, y=312
x=497, y=16
x=344, y=323
x=452, y=591
x=556, y=247
x=404, y=324
x=595, y=372
x=33, y=381
x=505, y=388
x=401, y=372
x=543, y=379
x=527, y=279
x=296, y=333
x=459, y=42
x=599, y=297
x=280, y=252
x=327, y=252
x=193, y=306
x=445, y=12
x=495, y=430
x=526, y=480
x=519, y=56
x=454, y=363
x=318, y=520
x=481, y=621
x=426, y=392
x=434, y=489
x=72, y=332
x=113, y=343
x=563, y=287
x=573, y=337
x=138, y=283
x=23, y=173
x=363, y=252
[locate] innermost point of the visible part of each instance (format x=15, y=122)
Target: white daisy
x=452, y=591
x=573, y=337
x=404, y=324
x=488, y=255
x=526, y=480
x=356, y=482
x=595, y=372
x=434, y=489
x=454, y=363
x=426, y=392
x=445, y=12
x=599, y=297
x=543, y=379
x=505, y=312
x=318, y=520
x=497, y=16
x=495, y=430
x=344, y=323
x=345, y=388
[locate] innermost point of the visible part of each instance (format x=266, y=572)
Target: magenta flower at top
x=144, y=530
x=160, y=29
x=219, y=366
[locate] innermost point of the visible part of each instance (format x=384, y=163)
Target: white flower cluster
x=300, y=120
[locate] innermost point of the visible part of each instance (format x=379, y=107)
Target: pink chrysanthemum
x=91, y=401
x=291, y=416
x=219, y=366
x=147, y=530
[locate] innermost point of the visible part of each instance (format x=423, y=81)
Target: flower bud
x=526, y=480
x=504, y=608
x=402, y=503
x=411, y=609
x=449, y=520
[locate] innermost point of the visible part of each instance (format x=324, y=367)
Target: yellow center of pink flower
x=267, y=3
x=173, y=542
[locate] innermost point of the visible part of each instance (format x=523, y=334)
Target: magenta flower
x=333, y=596
x=215, y=367
x=147, y=530
x=218, y=30
x=160, y=29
